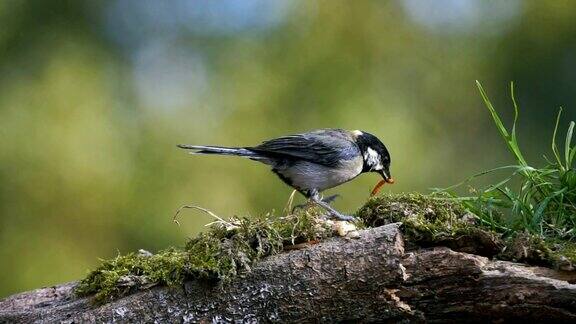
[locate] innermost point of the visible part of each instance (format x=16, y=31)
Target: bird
x=314, y=161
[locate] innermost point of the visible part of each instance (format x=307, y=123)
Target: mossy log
x=373, y=278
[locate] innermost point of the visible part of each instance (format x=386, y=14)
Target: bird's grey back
x=327, y=147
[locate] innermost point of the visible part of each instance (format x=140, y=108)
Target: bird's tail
x=201, y=149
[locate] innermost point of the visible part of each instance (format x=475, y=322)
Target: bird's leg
x=317, y=199
x=327, y=200
x=330, y=199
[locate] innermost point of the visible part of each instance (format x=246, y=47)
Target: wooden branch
x=372, y=278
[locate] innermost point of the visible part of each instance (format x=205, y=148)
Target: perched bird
x=315, y=161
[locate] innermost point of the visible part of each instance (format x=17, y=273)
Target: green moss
x=533, y=249
x=231, y=248
x=226, y=250
x=563, y=254
x=429, y=221
x=392, y=208
x=125, y=273
x=527, y=248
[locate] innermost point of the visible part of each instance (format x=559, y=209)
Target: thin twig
x=292, y=236
x=175, y=218
x=288, y=208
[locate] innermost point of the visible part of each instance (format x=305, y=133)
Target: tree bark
x=369, y=279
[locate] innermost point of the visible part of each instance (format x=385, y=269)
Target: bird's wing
x=327, y=147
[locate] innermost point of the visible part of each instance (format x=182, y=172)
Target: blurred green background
x=94, y=95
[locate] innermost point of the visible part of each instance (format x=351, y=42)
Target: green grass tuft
x=544, y=202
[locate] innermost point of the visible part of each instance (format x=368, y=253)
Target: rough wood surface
x=370, y=279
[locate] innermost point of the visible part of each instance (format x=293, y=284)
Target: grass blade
x=554, y=146
x=544, y=201
x=510, y=139
x=539, y=213
x=567, y=146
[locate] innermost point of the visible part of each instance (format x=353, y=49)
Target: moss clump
x=527, y=248
x=563, y=254
x=227, y=249
x=126, y=273
x=533, y=249
x=429, y=221
x=392, y=208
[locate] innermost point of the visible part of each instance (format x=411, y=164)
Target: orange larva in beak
x=379, y=186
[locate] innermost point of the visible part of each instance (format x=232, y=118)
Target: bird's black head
x=375, y=155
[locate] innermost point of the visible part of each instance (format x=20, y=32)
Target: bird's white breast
x=307, y=175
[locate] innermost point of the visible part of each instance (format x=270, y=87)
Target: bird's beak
x=386, y=175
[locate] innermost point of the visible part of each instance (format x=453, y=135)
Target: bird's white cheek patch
x=372, y=158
